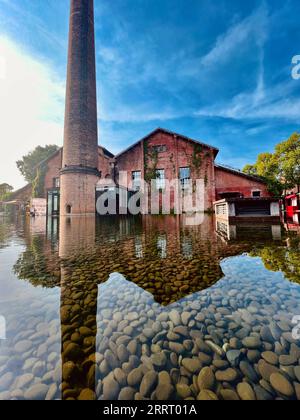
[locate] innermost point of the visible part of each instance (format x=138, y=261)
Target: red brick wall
x=104, y=164
x=229, y=182
x=54, y=166
x=179, y=153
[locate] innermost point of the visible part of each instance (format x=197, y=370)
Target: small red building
x=291, y=211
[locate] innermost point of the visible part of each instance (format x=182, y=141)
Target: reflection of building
x=245, y=231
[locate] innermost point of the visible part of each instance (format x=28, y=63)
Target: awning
x=289, y=197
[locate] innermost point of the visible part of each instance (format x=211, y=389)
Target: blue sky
x=216, y=71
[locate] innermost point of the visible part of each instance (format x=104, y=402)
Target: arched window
x=69, y=209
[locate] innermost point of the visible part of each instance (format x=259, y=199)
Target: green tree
x=288, y=155
x=280, y=169
x=5, y=190
x=29, y=163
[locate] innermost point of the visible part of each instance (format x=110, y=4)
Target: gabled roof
x=240, y=173
x=106, y=152
x=171, y=133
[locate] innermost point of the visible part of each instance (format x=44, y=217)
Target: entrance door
x=53, y=203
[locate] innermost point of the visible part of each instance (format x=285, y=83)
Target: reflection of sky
x=246, y=284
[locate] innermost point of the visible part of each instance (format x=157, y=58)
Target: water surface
x=148, y=308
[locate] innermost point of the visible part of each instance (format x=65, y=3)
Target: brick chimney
x=79, y=173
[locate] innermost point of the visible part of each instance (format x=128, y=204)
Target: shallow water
x=148, y=308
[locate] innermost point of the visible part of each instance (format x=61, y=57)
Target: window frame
x=136, y=182
x=183, y=180
x=160, y=183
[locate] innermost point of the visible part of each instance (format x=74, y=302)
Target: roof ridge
x=172, y=133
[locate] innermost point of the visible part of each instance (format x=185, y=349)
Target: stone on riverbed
x=127, y=394
x=111, y=388
x=207, y=395
x=5, y=381
x=228, y=375
x=206, y=379
x=282, y=385
x=23, y=346
x=37, y=392
x=270, y=357
x=246, y=392
x=192, y=365
x=234, y=356
x=229, y=395
x=183, y=391
x=252, y=342
x=148, y=383
x=87, y=395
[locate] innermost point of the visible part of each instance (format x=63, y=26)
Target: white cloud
x=31, y=108
x=276, y=102
x=253, y=27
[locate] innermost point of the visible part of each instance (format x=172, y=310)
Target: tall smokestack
x=79, y=173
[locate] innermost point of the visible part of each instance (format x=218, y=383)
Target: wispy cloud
x=253, y=28
x=262, y=103
x=31, y=107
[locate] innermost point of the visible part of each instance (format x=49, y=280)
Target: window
x=185, y=176
x=56, y=182
x=160, y=179
x=136, y=179
x=159, y=148
x=256, y=194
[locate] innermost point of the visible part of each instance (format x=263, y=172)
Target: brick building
x=161, y=155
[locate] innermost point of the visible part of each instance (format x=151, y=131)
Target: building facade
x=164, y=156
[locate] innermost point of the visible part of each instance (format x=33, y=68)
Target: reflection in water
x=143, y=311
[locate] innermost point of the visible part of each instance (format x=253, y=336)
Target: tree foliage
x=5, y=190
x=29, y=163
x=280, y=169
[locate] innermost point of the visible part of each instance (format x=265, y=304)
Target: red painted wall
x=227, y=181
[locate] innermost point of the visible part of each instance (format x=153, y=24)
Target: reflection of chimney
x=79, y=173
x=79, y=295
x=77, y=235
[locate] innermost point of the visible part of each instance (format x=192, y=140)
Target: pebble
x=206, y=379
x=87, y=395
x=192, y=365
x=23, y=346
x=282, y=385
x=207, y=395
x=127, y=394
x=111, y=388
x=148, y=383
x=228, y=375
x=183, y=391
x=229, y=395
x=135, y=377
x=270, y=357
x=252, y=342
x=6, y=380
x=246, y=392
x=249, y=372
x=37, y=392
x=266, y=370
x=234, y=356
